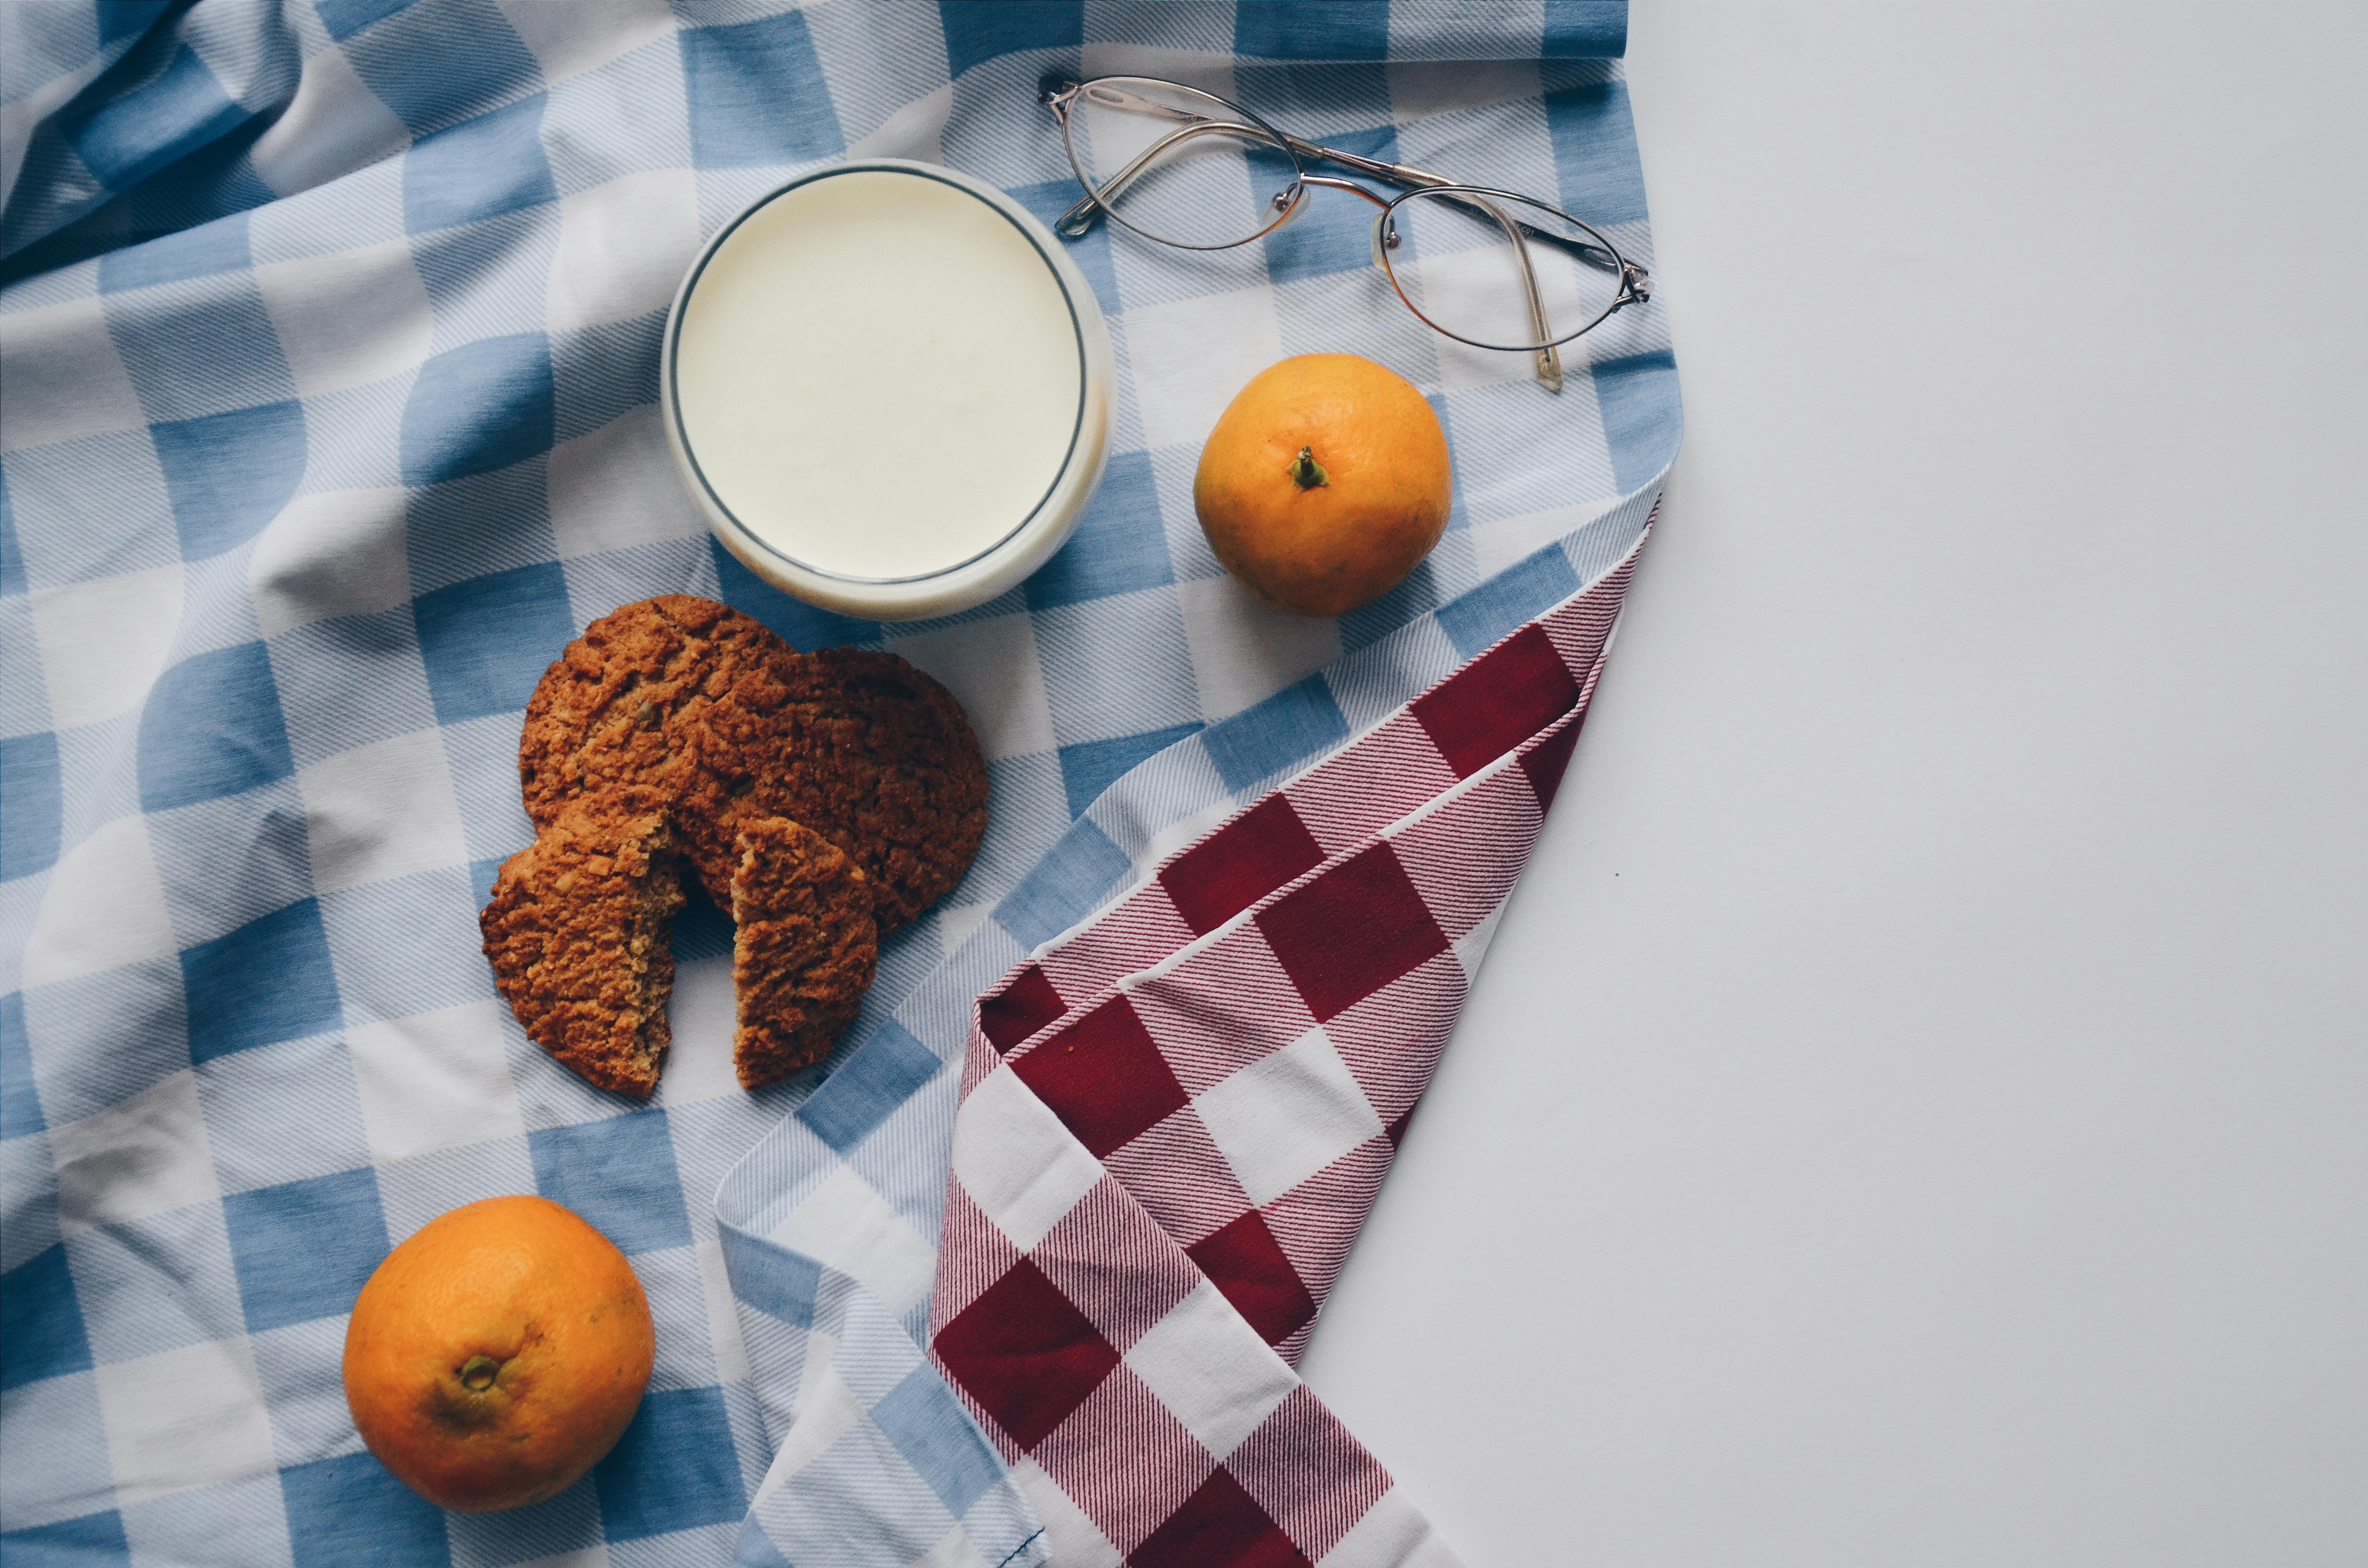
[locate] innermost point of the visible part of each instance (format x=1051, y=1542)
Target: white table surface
x=1916, y=1112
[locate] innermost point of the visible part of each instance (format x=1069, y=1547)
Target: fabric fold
x=1151, y=1194
x=326, y=418
x=1172, y=1110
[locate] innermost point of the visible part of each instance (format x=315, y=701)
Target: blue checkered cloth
x=328, y=347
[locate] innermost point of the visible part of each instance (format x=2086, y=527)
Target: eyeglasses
x=1492, y=269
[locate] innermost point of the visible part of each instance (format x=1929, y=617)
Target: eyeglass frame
x=1058, y=93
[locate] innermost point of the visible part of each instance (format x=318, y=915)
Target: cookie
x=578, y=935
x=692, y=699
x=825, y=798
x=613, y=710
x=805, y=950
x=862, y=747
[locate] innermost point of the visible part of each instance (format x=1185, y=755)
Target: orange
x=1325, y=483
x=496, y=1355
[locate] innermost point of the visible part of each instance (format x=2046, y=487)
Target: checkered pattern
x=327, y=374
x=1153, y=1188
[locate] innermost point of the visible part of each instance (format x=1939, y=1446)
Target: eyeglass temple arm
x=1546, y=361
x=1058, y=95
x=1634, y=284
x=1408, y=177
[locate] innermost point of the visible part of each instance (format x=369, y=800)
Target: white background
x=1916, y=1112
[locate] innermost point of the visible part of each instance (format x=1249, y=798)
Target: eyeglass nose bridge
x=1293, y=200
x=1331, y=183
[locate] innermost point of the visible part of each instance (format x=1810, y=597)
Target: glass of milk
x=887, y=389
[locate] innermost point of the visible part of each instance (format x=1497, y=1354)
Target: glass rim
x=677, y=423
x=1595, y=235
x=1297, y=189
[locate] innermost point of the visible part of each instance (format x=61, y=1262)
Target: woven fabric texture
x=328, y=353
x=1153, y=1187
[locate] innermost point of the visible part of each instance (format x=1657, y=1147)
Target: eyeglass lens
x=1179, y=166
x=1453, y=257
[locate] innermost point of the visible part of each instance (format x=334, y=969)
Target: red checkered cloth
x=1175, y=1119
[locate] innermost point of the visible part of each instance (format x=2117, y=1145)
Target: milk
x=879, y=376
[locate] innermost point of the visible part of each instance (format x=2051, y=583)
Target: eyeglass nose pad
x=1380, y=222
